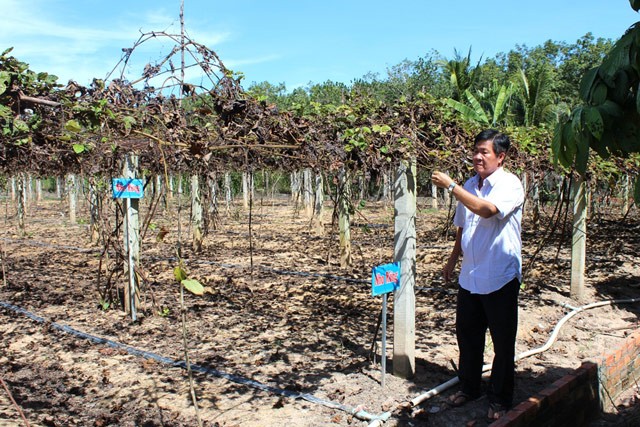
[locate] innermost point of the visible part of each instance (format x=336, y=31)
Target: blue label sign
x=385, y=278
x=127, y=188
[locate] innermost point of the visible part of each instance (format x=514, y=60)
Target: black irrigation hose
x=358, y=413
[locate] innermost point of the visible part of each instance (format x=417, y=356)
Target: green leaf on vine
x=179, y=274
x=5, y=79
x=193, y=286
x=73, y=126
x=128, y=122
x=79, y=148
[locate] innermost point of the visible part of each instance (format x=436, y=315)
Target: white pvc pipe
x=453, y=381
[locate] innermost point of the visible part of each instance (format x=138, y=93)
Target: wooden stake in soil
x=344, y=219
x=405, y=253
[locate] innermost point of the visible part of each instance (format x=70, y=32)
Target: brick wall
x=579, y=396
x=619, y=370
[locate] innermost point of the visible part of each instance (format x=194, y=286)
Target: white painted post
x=25, y=193
x=579, y=238
x=59, y=188
x=434, y=196
x=319, y=196
x=385, y=186
x=405, y=253
x=38, y=190
x=132, y=239
x=73, y=197
x=227, y=191
x=245, y=190
x=29, y=187
x=196, y=213
x=535, y=198
x=13, y=188
x=295, y=187
x=307, y=191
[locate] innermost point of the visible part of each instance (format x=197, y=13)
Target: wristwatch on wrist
x=451, y=187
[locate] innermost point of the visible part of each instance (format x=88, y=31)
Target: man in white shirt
x=488, y=220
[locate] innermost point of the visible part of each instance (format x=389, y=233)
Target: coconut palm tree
x=461, y=74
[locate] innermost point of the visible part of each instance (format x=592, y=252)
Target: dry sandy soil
x=273, y=345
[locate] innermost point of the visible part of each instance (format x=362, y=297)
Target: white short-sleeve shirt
x=491, y=247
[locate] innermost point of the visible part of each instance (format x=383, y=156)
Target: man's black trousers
x=497, y=311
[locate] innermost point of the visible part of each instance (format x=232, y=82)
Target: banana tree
x=489, y=108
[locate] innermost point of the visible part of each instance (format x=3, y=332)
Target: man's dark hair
x=500, y=141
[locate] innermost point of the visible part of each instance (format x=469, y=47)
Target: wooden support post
x=405, y=191
x=73, y=197
x=579, y=238
x=344, y=218
x=626, y=193
x=94, y=210
x=212, y=183
x=132, y=240
x=196, y=213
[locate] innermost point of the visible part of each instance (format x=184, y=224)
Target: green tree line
x=527, y=86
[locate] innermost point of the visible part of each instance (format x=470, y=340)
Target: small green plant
x=164, y=312
x=104, y=304
x=192, y=285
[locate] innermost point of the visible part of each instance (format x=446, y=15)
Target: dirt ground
x=287, y=342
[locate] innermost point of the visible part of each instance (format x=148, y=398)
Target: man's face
x=485, y=161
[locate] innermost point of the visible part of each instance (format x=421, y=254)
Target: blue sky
x=294, y=41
